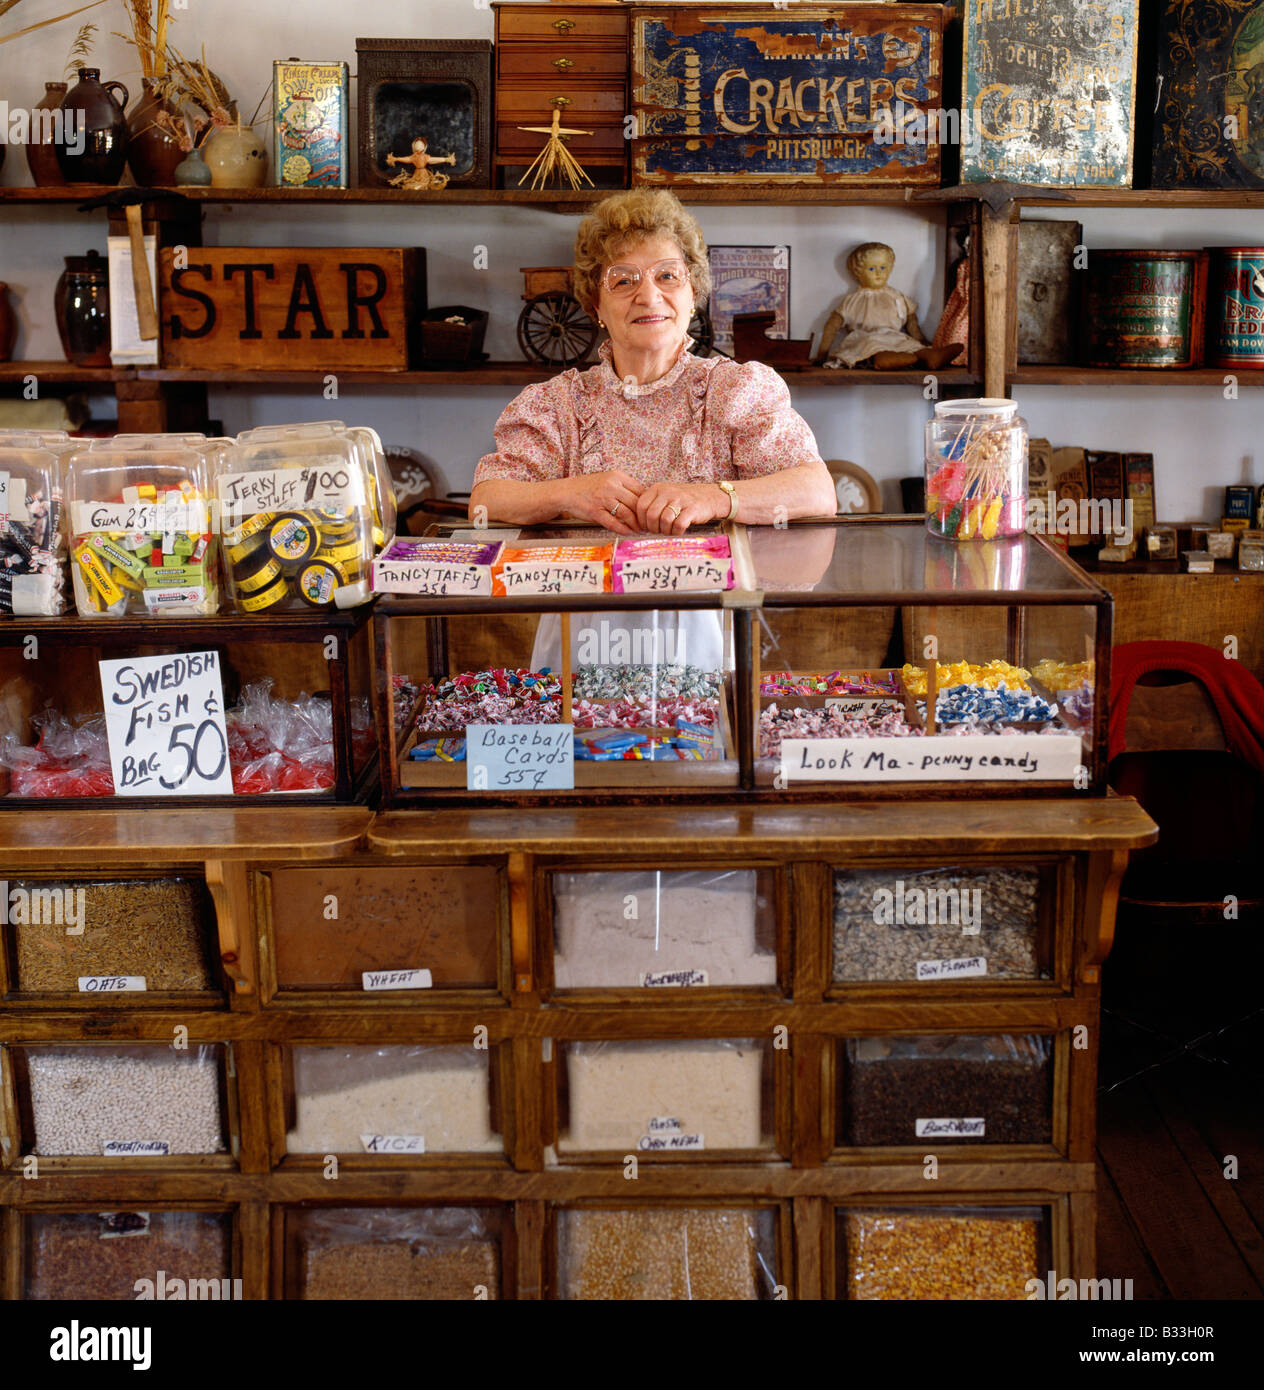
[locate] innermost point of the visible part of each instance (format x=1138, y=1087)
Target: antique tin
x=805, y=95
x=1235, y=307
x=1143, y=309
x=1050, y=93
x=437, y=88
x=1209, y=120
x=1046, y=301
x=309, y=124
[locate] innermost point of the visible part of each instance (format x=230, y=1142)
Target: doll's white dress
x=876, y=320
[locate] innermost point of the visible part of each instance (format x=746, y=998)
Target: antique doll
x=881, y=323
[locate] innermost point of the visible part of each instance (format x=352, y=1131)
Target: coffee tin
x=1144, y=309
x=1235, y=307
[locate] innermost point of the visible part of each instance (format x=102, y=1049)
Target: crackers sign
x=164, y=716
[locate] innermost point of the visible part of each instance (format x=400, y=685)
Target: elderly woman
x=652, y=438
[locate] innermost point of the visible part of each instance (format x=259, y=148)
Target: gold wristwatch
x=732, y=492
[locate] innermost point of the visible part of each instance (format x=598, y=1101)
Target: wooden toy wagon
x=554, y=330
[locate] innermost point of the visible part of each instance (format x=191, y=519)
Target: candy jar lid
x=990, y=406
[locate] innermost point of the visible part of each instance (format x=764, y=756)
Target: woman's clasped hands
x=618, y=502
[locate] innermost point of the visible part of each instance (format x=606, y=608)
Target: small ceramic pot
x=236, y=157
x=192, y=172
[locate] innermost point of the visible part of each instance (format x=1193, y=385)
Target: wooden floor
x=1182, y=1094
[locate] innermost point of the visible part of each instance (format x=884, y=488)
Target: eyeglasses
x=624, y=280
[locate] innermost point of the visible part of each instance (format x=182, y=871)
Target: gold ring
x=675, y=511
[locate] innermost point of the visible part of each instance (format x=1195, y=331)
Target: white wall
x=1200, y=441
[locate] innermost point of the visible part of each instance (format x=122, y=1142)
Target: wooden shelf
x=1173, y=199
x=517, y=374
x=558, y=199
x=1122, y=376
x=54, y=372
x=729, y=195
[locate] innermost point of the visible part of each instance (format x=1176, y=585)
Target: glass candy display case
x=854, y=657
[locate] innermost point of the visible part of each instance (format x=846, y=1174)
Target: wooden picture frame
x=437, y=88
x=748, y=279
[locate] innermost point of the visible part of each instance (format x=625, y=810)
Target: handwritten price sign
x=164, y=716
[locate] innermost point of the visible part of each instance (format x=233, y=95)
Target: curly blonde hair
x=618, y=224
x=864, y=249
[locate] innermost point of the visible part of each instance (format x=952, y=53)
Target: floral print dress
x=705, y=419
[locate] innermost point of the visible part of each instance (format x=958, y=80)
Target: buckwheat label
x=949, y=1129
x=673, y=979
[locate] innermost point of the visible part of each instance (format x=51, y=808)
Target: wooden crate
x=1051, y=109
x=805, y=96
x=226, y=308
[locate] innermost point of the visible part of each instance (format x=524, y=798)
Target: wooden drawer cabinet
x=541, y=24
x=527, y=103
x=605, y=140
x=561, y=60
x=572, y=56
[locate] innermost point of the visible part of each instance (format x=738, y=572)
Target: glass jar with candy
x=141, y=525
x=976, y=470
x=32, y=552
x=301, y=511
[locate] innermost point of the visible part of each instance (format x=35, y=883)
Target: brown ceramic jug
x=41, y=154
x=82, y=305
x=104, y=130
x=153, y=152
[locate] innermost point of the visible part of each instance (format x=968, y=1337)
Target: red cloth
x=1236, y=694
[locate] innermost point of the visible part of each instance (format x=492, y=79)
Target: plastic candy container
x=296, y=510
x=32, y=549
x=976, y=470
x=141, y=526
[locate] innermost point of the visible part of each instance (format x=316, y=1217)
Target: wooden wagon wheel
x=554, y=331
x=702, y=333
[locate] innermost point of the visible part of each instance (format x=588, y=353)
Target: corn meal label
x=395, y=979
x=672, y=979
x=670, y=1143
x=393, y=1143
x=949, y=1129
x=111, y=984
x=135, y=1148
x=962, y=968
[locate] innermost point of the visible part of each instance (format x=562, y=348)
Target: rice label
x=396, y=979
x=135, y=1148
x=393, y=1143
x=949, y=1129
x=665, y=1124
x=668, y=979
x=659, y=1143
x=111, y=984
x=961, y=968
